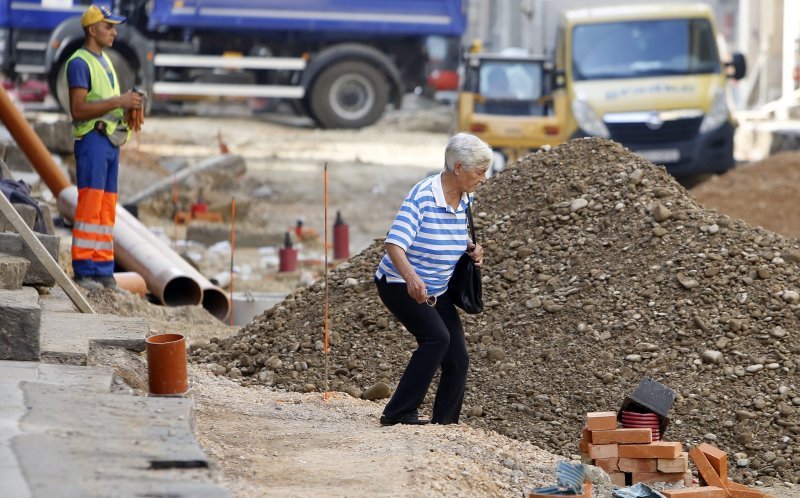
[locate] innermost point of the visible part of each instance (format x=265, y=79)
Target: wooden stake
x=325, y=396
x=233, y=246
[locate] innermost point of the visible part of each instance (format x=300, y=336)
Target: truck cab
x=651, y=78
x=505, y=100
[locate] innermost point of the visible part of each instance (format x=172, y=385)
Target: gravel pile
x=600, y=270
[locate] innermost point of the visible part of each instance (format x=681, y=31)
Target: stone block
x=12, y=271
x=12, y=243
x=56, y=135
x=19, y=328
x=47, y=214
x=26, y=212
x=4, y=171
x=211, y=233
x=16, y=159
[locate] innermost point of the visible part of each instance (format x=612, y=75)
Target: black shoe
x=88, y=283
x=409, y=419
x=107, y=282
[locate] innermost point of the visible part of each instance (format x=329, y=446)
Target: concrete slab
x=67, y=337
x=12, y=243
x=56, y=300
x=85, y=444
x=19, y=327
x=12, y=409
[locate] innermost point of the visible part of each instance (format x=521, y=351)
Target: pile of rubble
x=599, y=270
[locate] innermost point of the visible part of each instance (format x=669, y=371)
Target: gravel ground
x=600, y=270
x=524, y=335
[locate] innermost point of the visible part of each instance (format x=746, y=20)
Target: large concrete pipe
x=148, y=257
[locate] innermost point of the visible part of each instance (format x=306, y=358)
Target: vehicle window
x=644, y=48
x=502, y=80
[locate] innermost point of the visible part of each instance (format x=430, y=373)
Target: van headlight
x=588, y=120
x=717, y=115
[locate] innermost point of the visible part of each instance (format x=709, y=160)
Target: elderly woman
x=428, y=236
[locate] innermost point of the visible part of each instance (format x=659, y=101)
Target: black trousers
x=440, y=343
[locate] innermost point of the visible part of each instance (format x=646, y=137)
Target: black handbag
x=464, y=288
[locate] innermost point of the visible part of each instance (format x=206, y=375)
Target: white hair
x=469, y=150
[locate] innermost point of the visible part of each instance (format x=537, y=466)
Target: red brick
x=623, y=436
x=637, y=465
x=741, y=491
x=704, y=492
x=706, y=471
x=658, y=449
x=601, y=421
x=680, y=464
x=587, y=435
x=617, y=478
x=603, y=451
x=646, y=477
x=717, y=458
x=583, y=446
x=608, y=464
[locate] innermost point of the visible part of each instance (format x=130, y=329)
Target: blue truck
x=341, y=62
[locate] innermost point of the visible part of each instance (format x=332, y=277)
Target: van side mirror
x=559, y=79
x=739, y=66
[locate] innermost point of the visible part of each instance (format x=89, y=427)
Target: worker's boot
x=88, y=283
x=107, y=282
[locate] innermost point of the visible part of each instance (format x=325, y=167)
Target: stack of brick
x=712, y=467
x=630, y=456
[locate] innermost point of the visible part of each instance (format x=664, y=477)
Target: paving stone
x=19, y=327
x=67, y=337
x=13, y=408
x=12, y=243
x=55, y=299
x=102, y=444
x=12, y=271
x=26, y=212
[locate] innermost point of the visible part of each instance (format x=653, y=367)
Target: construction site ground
x=272, y=442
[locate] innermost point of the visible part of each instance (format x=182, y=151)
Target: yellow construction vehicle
x=505, y=100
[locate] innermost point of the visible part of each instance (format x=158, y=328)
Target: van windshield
x=511, y=80
x=644, y=48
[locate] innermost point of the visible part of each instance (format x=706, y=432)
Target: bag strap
x=469, y=218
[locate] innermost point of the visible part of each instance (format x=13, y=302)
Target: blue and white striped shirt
x=433, y=235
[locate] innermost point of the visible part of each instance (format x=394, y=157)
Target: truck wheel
x=349, y=95
x=125, y=73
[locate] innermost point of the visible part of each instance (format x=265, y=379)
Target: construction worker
x=98, y=117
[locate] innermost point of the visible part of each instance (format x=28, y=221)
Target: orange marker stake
x=233, y=246
x=325, y=321
x=175, y=214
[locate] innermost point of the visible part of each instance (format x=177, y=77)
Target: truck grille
x=670, y=131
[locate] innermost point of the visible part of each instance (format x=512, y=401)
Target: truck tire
x=125, y=73
x=349, y=95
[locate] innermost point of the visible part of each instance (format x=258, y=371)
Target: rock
x=711, y=356
x=379, y=390
x=661, y=213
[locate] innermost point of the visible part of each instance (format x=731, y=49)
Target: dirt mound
x=600, y=269
x=764, y=193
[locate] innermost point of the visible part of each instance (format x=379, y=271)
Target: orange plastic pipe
x=31, y=145
x=166, y=364
x=131, y=282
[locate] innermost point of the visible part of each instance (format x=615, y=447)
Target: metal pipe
x=231, y=163
x=168, y=283
x=31, y=145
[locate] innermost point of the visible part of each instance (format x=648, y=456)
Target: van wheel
x=125, y=73
x=349, y=95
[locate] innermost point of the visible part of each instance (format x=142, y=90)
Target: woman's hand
x=416, y=288
x=475, y=251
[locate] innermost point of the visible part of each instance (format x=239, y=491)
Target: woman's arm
x=415, y=285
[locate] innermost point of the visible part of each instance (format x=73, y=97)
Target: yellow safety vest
x=101, y=90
